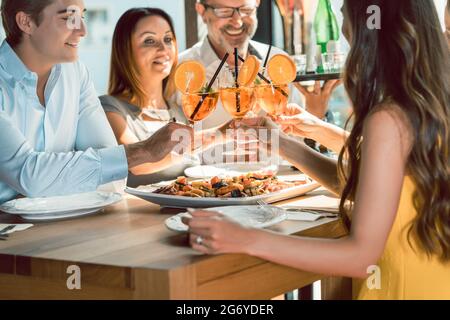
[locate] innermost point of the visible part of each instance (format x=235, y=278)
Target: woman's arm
x=120, y=128
x=384, y=156
x=299, y=122
x=321, y=168
x=331, y=136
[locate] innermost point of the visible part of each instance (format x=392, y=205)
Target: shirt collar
x=208, y=55
x=252, y=50
x=12, y=64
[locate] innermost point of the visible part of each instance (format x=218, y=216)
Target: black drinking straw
x=268, y=81
x=236, y=71
x=236, y=75
x=202, y=99
x=267, y=56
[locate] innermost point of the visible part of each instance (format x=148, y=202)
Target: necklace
x=157, y=114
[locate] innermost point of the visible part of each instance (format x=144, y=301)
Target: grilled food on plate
x=248, y=185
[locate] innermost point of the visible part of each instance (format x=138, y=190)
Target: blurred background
x=102, y=16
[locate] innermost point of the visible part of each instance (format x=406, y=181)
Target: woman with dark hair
x=143, y=60
x=298, y=122
x=394, y=190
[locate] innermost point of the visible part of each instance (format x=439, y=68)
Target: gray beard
x=241, y=47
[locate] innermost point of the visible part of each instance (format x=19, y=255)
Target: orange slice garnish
x=190, y=76
x=248, y=71
x=281, y=69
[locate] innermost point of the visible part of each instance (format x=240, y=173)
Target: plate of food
x=249, y=216
x=248, y=189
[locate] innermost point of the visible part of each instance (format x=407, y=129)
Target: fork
x=5, y=229
x=322, y=213
x=263, y=205
x=3, y=234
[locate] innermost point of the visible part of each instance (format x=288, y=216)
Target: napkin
x=326, y=207
x=308, y=216
x=321, y=202
x=17, y=227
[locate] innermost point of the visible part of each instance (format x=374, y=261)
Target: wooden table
x=127, y=253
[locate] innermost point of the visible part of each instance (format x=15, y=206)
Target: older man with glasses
x=232, y=24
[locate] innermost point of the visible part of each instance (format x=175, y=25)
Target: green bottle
x=325, y=26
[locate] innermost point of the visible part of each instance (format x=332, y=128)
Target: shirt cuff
x=114, y=164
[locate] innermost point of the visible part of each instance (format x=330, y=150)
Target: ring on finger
x=199, y=240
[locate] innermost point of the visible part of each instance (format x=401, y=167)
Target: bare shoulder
x=389, y=121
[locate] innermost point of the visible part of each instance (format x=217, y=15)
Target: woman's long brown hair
x=124, y=74
x=407, y=62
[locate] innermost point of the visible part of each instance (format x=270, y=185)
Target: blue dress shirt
x=65, y=147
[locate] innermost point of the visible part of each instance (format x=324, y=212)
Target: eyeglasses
x=228, y=12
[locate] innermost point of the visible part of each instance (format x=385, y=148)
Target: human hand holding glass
x=198, y=100
x=298, y=122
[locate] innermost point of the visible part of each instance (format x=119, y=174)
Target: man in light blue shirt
x=54, y=136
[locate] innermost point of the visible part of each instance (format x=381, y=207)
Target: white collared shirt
x=65, y=147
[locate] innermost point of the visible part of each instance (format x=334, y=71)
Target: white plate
x=71, y=204
x=60, y=216
x=250, y=216
x=166, y=200
x=228, y=169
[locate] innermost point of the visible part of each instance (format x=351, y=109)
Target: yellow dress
x=406, y=273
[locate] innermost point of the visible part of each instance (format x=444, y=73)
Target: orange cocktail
x=273, y=95
x=190, y=101
x=190, y=77
x=237, y=101
x=272, y=98
x=236, y=87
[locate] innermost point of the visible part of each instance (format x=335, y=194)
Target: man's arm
x=33, y=173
